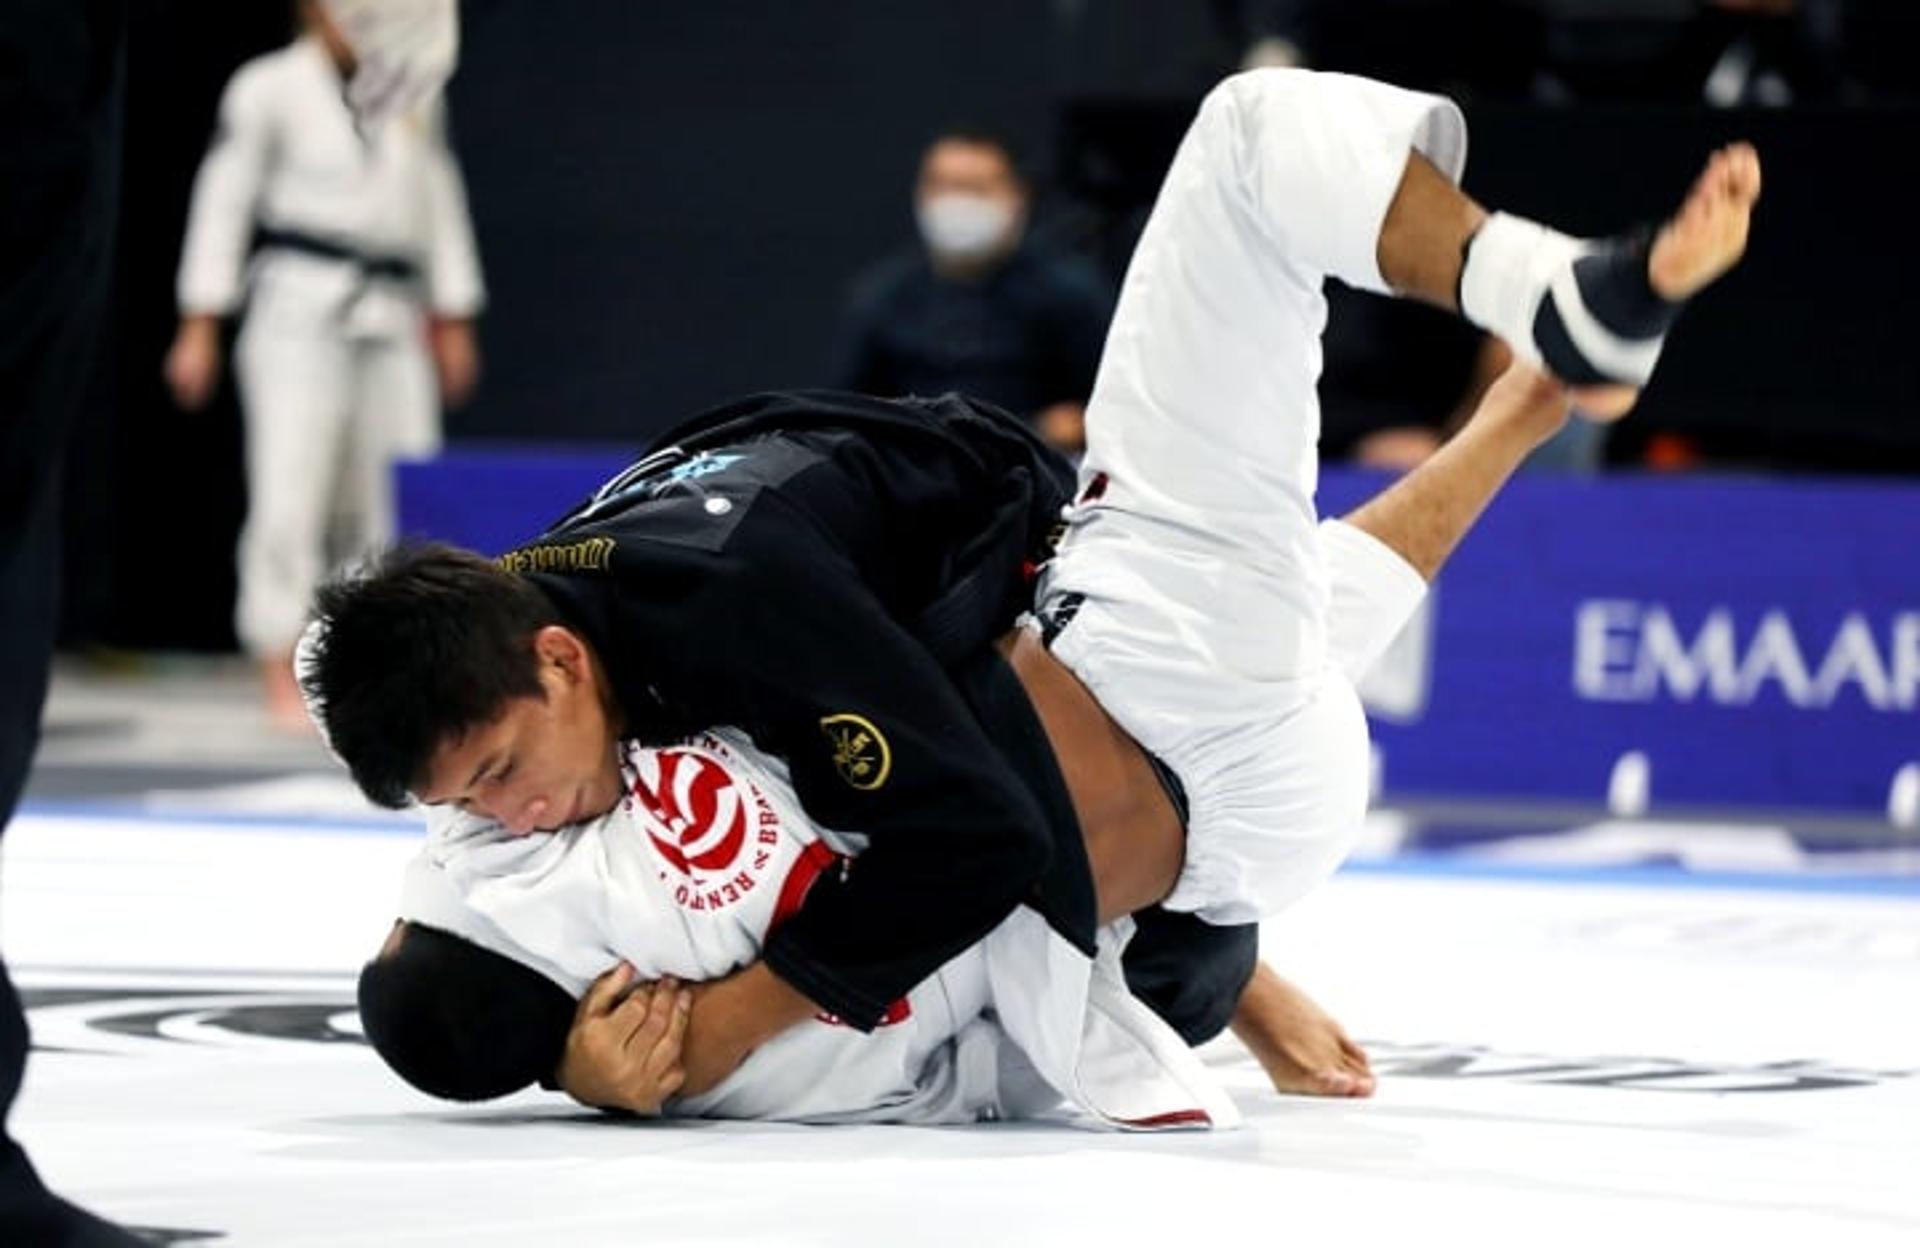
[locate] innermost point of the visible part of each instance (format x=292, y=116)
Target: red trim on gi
x=814, y=860
x=1174, y=1118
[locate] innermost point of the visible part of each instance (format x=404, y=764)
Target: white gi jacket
x=288, y=156
x=708, y=852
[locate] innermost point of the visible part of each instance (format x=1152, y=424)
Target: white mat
x=1564, y=1063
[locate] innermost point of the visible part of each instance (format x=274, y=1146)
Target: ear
x=560, y=647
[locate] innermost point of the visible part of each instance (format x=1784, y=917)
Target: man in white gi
x=1192, y=592
x=346, y=236
x=710, y=853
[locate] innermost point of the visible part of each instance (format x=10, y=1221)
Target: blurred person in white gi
x=346, y=237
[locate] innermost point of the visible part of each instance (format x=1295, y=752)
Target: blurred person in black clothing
x=62, y=71
x=1464, y=49
x=1730, y=53
x=61, y=64
x=981, y=307
x=1722, y=53
x=1400, y=378
x=1397, y=378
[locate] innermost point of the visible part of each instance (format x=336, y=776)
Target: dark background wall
x=671, y=199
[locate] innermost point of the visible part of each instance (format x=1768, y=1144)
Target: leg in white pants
x=295, y=392
x=396, y=414
x=326, y=415
x=1205, y=575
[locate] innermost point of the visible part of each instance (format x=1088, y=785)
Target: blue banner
x=494, y=499
x=1704, y=641
x=1753, y=643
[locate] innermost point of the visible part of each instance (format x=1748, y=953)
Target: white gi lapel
x=1090, y=1038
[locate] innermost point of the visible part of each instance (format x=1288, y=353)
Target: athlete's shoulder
x=265, y=88
x=271, y=71
x=686, y=499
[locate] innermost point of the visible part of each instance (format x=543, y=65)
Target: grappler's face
x=542, y=762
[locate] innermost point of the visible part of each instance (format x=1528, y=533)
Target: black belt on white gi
x=392, y=268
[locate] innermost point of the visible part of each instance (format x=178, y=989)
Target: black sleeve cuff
x=859, y=1010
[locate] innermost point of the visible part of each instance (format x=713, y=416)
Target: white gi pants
x=1222, y=624
x=326, y=415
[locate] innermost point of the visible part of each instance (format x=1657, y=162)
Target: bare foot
x=1709, y=233
x=1303, y=1051
x=1697, y=245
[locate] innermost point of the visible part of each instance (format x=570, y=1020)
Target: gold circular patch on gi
x=860, y=751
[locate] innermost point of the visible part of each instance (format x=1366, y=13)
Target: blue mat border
x=1411, y=865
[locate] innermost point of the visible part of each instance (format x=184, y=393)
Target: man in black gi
x=469, y=1023
x=827, y=572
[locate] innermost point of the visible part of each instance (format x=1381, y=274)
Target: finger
x=672, y=1032
x=606, y=992
x=671, y=1081
x=645, y=1014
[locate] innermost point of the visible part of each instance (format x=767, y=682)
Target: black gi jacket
x=825, y=571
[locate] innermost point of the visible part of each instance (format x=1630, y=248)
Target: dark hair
x=427, y=642
x=985, y=136
x=460, y=1022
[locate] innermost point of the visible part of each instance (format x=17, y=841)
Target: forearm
x=759, y=1004
x=1424, y=516
x=734, y=1016
x=455, y=287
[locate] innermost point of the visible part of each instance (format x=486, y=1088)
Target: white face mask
x=406, y=51
x=959, y=226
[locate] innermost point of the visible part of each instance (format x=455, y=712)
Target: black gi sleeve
x=878, y=742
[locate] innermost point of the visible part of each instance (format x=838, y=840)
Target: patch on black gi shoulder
x=860, y=751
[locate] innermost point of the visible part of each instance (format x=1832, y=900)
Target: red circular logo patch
x=697, y=813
